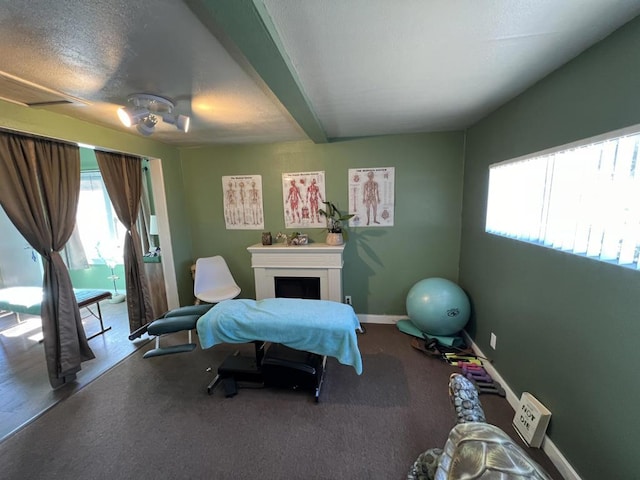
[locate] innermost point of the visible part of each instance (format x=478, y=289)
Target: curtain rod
x=60, y=140
x=37, y=137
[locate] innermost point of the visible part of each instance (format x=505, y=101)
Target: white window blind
x=583, y=200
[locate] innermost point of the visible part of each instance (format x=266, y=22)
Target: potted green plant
x=336, y=233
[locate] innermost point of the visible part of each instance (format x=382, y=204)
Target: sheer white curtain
x=583, y=200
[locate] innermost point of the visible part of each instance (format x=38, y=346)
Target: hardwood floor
x=25, y=392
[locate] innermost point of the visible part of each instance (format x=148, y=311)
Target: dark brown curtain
x=39, y=190
x=122, y=175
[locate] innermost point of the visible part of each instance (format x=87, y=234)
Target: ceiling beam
x=245, y=29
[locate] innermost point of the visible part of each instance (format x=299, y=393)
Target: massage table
x=300, y=334
x=28, y=300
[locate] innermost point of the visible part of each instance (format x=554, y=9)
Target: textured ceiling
x=280, y=70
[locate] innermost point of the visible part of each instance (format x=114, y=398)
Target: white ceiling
x=282, y=70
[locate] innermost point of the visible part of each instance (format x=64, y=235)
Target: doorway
x=20, y=264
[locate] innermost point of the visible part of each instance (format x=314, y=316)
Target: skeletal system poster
x=302, y=195
x=243, y=205
x=372, y=196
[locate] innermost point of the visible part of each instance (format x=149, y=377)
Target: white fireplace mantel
x=317, y=260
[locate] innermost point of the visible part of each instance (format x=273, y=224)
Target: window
x=582, y=199
x=100, y=230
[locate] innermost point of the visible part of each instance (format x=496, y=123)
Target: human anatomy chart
x=243, y=202
x=372, y=196
x=302, y=195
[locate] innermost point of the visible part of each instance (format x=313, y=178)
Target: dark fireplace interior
x=297, y=287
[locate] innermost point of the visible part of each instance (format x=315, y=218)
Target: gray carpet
x=153, y=419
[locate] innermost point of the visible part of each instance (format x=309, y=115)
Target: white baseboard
x=554, y=454
x=382, y=319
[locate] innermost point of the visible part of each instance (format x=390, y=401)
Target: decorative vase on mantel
x=334, y=239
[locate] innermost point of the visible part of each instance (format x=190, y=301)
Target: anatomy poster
x=303, y=194
x=243, y=206
x=371, y=196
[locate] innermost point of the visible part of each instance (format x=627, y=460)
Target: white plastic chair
x=213, y=281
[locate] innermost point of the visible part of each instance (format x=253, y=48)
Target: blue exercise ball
x=438, y=306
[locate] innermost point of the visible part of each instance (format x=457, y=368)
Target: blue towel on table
x=317, y=326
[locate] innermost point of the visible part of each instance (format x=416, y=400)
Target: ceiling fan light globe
x=145, y=130
x=132, y=115
x=124, y=117
x=147, y=110
x=148, y=126
x=169, y=118
x=183, y=123
x=180, y=121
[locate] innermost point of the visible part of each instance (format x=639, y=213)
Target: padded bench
x=176, y=320
x=280, y=367
x=293, y=329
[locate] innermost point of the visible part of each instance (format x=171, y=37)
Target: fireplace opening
x=297, y=287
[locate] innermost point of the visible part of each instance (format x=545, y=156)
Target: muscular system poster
x=302, y=195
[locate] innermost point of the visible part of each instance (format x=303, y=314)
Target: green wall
x=381, y=264
x=96, y=276
x=567, y=327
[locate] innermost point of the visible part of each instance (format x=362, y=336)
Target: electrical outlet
x=493, y=340
x=347, y=300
